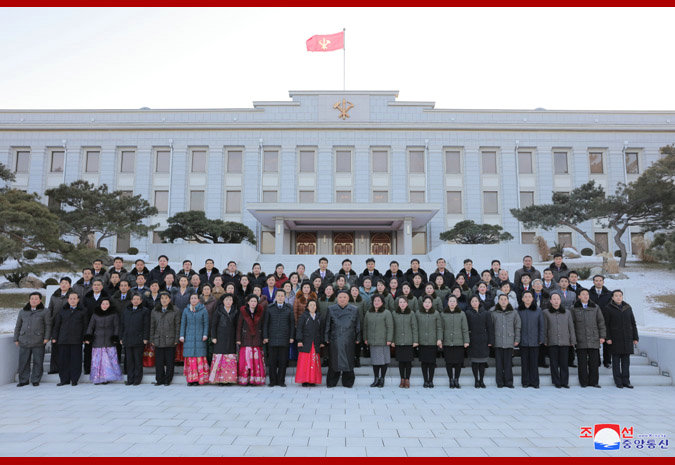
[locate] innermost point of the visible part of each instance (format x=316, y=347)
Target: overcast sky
x=228, y=57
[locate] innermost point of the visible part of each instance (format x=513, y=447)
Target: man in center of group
x=342, y=331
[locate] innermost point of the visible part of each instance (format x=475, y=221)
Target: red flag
x=326, y=42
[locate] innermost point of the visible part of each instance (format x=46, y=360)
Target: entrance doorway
x=343, y=243
x=305, y=243
x=380, y=244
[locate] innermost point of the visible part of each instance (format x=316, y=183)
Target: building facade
x=332, y=172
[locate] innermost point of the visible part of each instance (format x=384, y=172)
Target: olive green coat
x=438, y=303
x=429, y=327
x=455, y=328
x=378, y=328
x=405, y=327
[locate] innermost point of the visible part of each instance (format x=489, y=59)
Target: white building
x=332, y=172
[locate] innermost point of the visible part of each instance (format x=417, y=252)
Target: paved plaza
x=146, y=420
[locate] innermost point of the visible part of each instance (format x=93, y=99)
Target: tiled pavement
x=120, y=420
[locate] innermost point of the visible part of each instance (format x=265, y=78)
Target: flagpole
x=344, y=59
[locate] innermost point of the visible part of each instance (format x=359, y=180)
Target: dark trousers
x=332, y=378
x=26, y=373
x=543, y=352
x=70, y=362
x=589, y=362
x=504, y=366
x=570, y=357
x=529, y=365
x=277, y=357
x=87, y=358
x=164, y=357
x=560, y=374
x=54, y=358
x=606, y=355
x=621, y=369
x=134, y=362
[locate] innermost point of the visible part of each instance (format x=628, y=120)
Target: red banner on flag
x=326, y=42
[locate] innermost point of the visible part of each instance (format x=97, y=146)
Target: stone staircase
x=643, y=373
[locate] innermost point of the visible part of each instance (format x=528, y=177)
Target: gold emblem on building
x=343, y=107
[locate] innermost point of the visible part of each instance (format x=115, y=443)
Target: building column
x=279, y=236
x=407, y=236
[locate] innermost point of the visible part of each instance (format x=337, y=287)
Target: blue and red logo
x=607, y=436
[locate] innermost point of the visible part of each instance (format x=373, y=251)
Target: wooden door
x=305, y=243
x=343, y=243
x=380, y=244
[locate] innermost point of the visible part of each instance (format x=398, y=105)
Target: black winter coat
x=471, y=279
x=103, y=329
x=90, y=303
x=135, y=326
x=208, y=279
x=602, y=300
x=224, y=330
x=310, y=331
x=261, y=280
x=156, y=274
x=70, y=325
x=480, y=332
x=279, y=326
x=448, y=277
x=621, y=328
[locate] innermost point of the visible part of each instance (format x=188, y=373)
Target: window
x=267, y=242
x=526, y=199
x=234, y=161
x=490, y=203
x=91, y=161
x=595, y=161
x=269, y=196
x=343, y=196
x=380, y=161
x=525, y=163
x=489, y=160
x=163, y=161
x=58, y=159
x=156, y=238
x=306, y=161
x=233, y=203
x=197, y=200
x=22, y=161
x=454, y=201
x=306, y=196
x=419, y=243
x=416, y=161
x=127, y=162
x=123, y=243
x=565, y=239
x=417, y=197
x=162, y=201
x=271, y=161
x=602, y=238
x=199, y=161
x=560, y=163
x=632, y=166
x=527, y=237
x=380, y=196
x=343, y=161
x=453, y=162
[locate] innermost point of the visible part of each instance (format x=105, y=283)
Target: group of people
x=229, y=327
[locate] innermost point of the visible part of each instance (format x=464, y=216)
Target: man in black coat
x=187, y=270
x=134, y=335
x=448, y=277
x=322, y=272
x=69, y=327
x=370, y=271
x=470, y=274
x=231, y=275
x=161, y=270
x=139, y=270
x=393, y=272
x=415, y=269
x=279, y=333
x=601, y=297
x=56, y=303
x=622, y=337
x=342, y=333
x=83, y=285
x=209, y=272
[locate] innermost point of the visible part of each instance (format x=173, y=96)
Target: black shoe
x=606, y=365
x=426, y=384
x=22, y=384
x=457, y=386
x=558, y=386
x=61, y=384
x=620, y=386
x=536, y=387
x=127, y=383
x=157, y=384
x=510, y=386
x=105, y=382
x=357, y=362
x=53, y=372
x=500, y=386
x=574, y=365
x=452, y=383
x=167, y=384
x=375, y=382
x=476, y=384
x=482, y=384
x=566, y=386
x=597, y=386
x=272, y=384
x=137, y=384
x=431, y=384
x=74, y=383
x=582, y=385
x=36, y=384
x=380, y=382
x=281, y=384
x=629, y=386
x=305, y=384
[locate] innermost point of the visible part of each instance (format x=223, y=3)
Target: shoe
x=452, y=383
x=272, y=384
x=157, y=384
x=558, y=386
x=597, y=386
x=74, y=383
x=380, y=382
x=305, y=384
x=574, y=365
x=620, y=386
x=402, y=383
x=536, y=387
x=407, y=384
x=476, y=384
x=500, y=386
x=375, y=382
x=22, y=384
x=127, y=383
x=61, y=384
x=606, y=365
x=105, y=382
x=431, y=384
x=36, y=384
x=357, y=362
x=137, y=384
x=52, y=372
x=426, y=384
x=482, y=384
x=510, y=386
x=566, y=386
x=629, y=386
x=457, y=386
x=582, y=385
x=281, y=384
